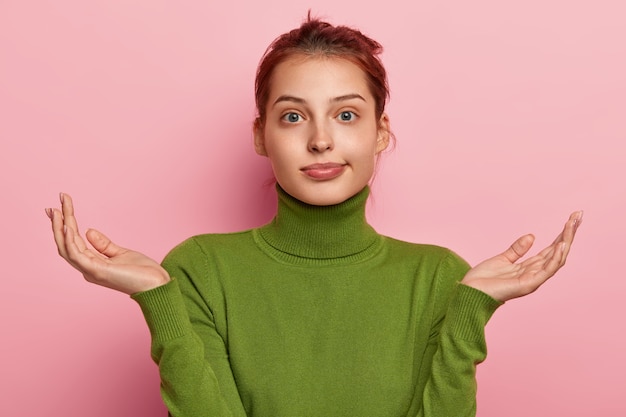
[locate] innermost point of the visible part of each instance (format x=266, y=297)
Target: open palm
x=107, y=264
x=503, y=277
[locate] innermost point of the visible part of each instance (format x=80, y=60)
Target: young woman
x=315, y=314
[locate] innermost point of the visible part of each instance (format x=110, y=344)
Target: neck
x=320, y=232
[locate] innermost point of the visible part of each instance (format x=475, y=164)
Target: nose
x=320, y=140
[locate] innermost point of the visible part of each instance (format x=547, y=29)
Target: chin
x=326, y=197
x=324, y=201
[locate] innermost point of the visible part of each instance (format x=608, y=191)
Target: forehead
x=318, y=76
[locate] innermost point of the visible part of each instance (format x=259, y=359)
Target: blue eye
x=346, y=116
x=292, y=117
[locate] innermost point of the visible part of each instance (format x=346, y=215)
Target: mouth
x=324, y=171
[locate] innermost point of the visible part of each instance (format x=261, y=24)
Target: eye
x=346, y=116
x=292, y=117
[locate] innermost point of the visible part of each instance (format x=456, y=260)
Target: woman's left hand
x=503, y=279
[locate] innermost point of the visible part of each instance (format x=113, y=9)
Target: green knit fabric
x=316, y=315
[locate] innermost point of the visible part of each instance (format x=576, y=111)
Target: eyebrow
x=332, y=100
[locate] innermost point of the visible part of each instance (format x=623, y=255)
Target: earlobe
x=259, y=140
x=384, y=133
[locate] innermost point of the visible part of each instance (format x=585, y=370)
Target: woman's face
x=321, y=132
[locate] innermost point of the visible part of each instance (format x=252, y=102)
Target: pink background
x=509, y=115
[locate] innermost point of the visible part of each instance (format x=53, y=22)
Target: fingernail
x=579, y=220
x=49, y=213
x=61, y=197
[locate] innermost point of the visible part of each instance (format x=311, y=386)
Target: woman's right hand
x=108, y=265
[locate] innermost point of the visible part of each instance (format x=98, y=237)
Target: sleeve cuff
x=469, y=311
x=164, y=310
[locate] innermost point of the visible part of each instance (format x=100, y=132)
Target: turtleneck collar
x=301, y=231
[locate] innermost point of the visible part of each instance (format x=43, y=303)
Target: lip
x=324, y=171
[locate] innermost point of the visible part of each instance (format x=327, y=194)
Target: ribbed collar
x=301, y=231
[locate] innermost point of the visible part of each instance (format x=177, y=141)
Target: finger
x=554, y=263
x=534, y=278
x=564, y=252
x=569, y=232
x=569, y=228
x=103, y=244
x=537, y=262
x=69, y=220
x=76, y=256
x=554, y=257
x=57, y=231
x=559, y=237
x=579, y=218
x=548, y=251
x=519, y=248
x=566, y=235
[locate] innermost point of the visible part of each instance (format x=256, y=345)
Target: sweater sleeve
x=196, y=378
x=458, y=345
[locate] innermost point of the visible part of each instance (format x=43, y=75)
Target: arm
x=196, y=377
x=456, y=346
x=460, y=344
x=189, y=383
x=191, y=386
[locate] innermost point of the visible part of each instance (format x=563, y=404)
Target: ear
x=384, y=133
x=259, y=137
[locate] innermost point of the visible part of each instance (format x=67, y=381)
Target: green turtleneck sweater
x=316, y=315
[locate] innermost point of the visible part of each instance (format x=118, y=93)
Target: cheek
x=280, y=150
x=363, y=159
x=364, y=145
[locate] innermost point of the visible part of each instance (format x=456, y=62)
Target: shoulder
x=425, y=253
x=203, y=245
x=436, y=267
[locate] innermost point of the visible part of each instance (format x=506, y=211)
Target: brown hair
x=315, y=37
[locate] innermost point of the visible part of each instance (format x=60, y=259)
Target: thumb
x=103, y=244
x=519, y=248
